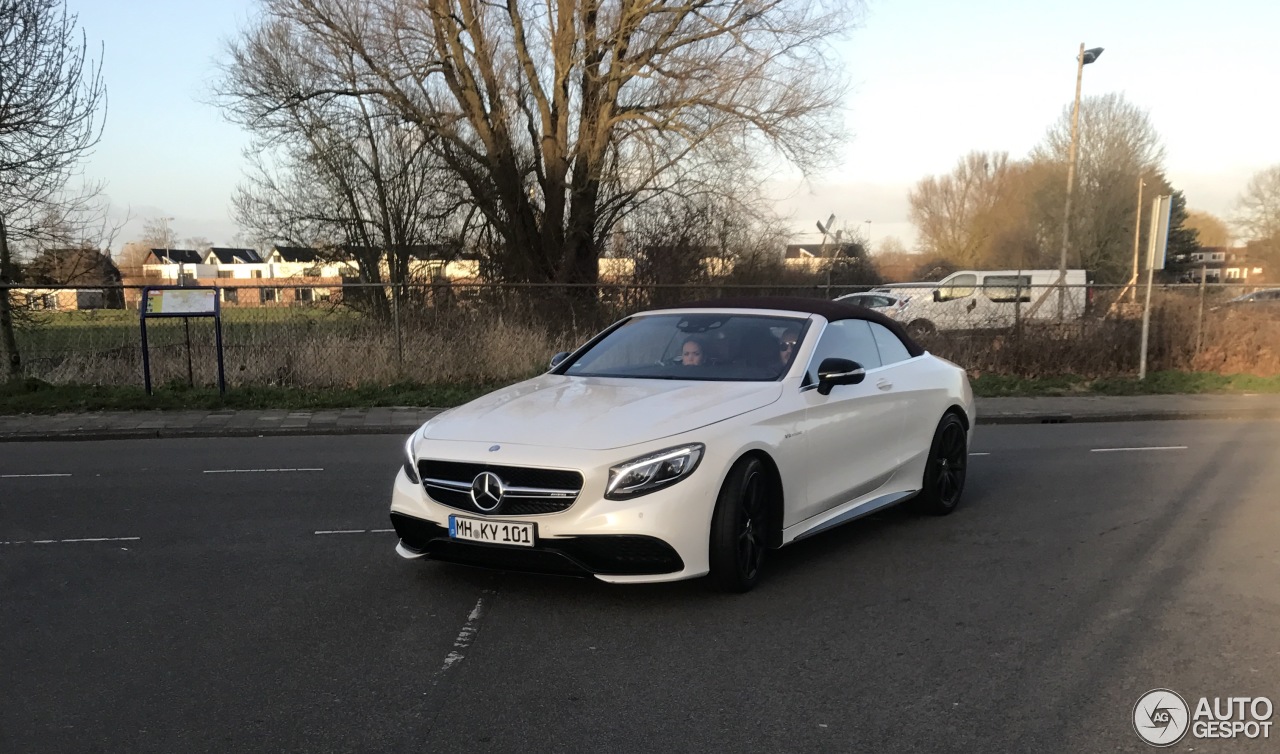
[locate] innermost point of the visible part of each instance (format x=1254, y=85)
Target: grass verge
x=36, y=397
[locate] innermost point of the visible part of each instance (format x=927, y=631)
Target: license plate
x=494, y=532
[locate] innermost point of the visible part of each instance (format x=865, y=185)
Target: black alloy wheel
x=945, y=470
x=740, y=527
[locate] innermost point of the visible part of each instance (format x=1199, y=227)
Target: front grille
x=530, y=492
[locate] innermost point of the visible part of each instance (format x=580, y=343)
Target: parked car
x=989, y=299
x=1269, y=297
x=629, y=462
x=892, y=306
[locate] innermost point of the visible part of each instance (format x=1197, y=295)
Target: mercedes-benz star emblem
x=487, y=491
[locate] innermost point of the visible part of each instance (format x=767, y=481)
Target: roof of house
x=299, y=254
x=236, y=256
x=420, y=252
x=175, y=256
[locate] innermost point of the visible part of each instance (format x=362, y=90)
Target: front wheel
x=944, y=472
x=740, y=527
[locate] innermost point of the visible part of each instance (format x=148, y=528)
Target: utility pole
x=1137, y=232
x=1084, y=58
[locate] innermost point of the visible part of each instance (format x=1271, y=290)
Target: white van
x=989, y=299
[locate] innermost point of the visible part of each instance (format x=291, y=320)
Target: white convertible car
x=687, y=442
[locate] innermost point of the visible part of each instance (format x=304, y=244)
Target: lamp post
x=868, y=222
x=1084, y=58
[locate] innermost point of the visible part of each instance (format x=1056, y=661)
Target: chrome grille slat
x=449, y=483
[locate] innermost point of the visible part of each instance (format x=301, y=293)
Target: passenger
x=787, y=344
x=691, y=353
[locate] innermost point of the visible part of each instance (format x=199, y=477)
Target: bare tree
x=197, y=243
x=51, y=92
x=157, y=233
x=556, y=117
x=343, y=174
x=894, y=262
x=1118, y=146
x=1210, y=229
x=1258, y=215
x=958, y=215
x=71, y=251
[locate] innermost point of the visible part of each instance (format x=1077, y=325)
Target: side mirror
x=832, y=372
x=937, y=295
x=555, y=360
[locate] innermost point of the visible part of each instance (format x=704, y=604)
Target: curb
x=1132, y=416
x=172, y=433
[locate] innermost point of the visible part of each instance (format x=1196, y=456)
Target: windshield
x=702, y=346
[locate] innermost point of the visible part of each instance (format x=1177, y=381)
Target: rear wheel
x=740, y=527
x=944, y=472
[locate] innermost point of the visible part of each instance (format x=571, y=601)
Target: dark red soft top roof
x=831, y=310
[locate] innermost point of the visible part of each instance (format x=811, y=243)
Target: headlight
x=410, y=463
x=643, y=475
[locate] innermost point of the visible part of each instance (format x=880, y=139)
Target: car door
x=958, y=302
x=1002, y=296
x=850, y=434
x=918, y=398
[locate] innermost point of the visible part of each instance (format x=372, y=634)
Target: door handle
x=884, y=384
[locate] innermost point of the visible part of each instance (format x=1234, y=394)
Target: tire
x=740, y=528
x=919, y=327
x=945, y=470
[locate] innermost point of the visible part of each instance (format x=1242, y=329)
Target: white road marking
x=81, y=539
x=343, y=531
x=1121, y=450
x=30, y=476
x=380, y=531
x=253, y=471
x=979, y=454
x=467, y=634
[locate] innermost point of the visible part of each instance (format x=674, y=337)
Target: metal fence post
x=395, y=317
x=1200, y=314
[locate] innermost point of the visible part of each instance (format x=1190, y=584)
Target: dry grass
x=503, y=335
x=463, y=349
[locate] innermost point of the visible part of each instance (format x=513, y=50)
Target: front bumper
x=662, y=536
x=591, y=555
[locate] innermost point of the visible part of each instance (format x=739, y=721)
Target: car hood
x=593, y=413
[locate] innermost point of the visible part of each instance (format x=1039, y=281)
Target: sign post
x=1159, y=243
x=184, y=302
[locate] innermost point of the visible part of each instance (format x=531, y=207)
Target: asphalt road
x=211, y=613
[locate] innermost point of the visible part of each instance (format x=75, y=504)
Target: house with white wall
x=170, y=266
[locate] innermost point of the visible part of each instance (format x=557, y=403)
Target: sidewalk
x=357, y=421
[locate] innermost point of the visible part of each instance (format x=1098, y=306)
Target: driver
x=691, y=353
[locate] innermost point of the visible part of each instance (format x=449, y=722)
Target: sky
x=930, y=80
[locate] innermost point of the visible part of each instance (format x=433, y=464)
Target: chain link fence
x=350, y=335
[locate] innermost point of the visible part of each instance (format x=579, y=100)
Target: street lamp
x=868, y=222
x=1084, y=58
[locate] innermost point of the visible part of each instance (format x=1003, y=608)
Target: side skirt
x=852, y=512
